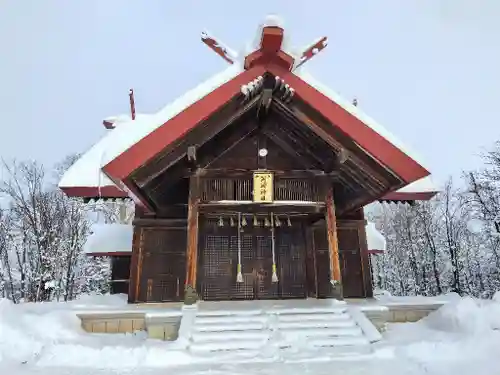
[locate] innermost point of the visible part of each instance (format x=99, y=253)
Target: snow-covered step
x=313, y=316
x=309, y=311
x=323, y=332
x=229, y=336
x=335, y=330
x=200, y=348
x=317, y=323
x=226, y=319
x=225, y=313
x=229, y=327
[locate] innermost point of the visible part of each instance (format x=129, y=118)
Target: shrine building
x=250, y=186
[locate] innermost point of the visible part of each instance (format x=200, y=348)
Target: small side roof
x=109, y=240
x=375, y=240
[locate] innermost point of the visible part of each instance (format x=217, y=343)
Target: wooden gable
x=227, y=144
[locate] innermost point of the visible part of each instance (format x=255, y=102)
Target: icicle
x=289, y=223
x=243, y=222
x=221, y=222
x=239, y=276
x=231, y=221
x=274, y=277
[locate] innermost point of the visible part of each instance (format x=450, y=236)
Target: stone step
x=323, y=332
x=318, y=316
x=315, y=323
x=217, y=337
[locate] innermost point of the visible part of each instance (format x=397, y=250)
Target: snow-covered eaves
x=420, y=190
x=85, y=177
x=109, y=240
x=375, y=240
x=359, y=114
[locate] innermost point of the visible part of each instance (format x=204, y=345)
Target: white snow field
x=462, y=337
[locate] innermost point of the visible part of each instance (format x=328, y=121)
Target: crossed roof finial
x=269, y=49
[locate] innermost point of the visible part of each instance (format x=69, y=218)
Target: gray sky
x=428, y=70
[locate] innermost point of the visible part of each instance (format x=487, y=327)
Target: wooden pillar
x=190, y=294
x=333, y=244
x=365, y=257
x=135, y=266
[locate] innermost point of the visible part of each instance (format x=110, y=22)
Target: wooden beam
x=158, y=222
x=236, y=135
x=295, y=134
x=190, y=294
x=264, y=104
x=277, y=208
x=294, y=173
x=298, y=115
x=333, y=244
x=199, y=135
x=293, y=152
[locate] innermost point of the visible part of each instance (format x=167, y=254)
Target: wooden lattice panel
x=163, y=265
x=219, y=259
x=349, y=257
x=241, y=189
x=291, y=258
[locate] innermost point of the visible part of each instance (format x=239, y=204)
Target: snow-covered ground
x=462, y=337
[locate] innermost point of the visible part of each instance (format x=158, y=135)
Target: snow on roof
x=86, y=171
x=375, y=239
x=109, y=238
x=423, y=185
x=359, y=114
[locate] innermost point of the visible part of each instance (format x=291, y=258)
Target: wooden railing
x=241, y=189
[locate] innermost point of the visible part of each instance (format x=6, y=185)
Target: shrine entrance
x=218, y=257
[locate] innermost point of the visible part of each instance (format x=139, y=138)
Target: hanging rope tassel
x=274, y=277
x=239, y=276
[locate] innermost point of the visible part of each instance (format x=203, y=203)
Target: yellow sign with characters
x=263, y=187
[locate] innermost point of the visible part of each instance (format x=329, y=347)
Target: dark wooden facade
x=198, y=187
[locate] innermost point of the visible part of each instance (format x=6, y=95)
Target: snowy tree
x=42, y=233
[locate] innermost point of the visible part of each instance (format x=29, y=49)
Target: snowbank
x=24, y=335
x=462, y=337
x=466, y=315
x=50, y=335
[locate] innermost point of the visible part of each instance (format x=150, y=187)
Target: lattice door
x=350, y=262
x=290, y=250
x=163, y=265
x=322, y=262
x=217, y=267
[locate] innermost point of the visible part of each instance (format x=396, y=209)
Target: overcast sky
x=428, y=70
